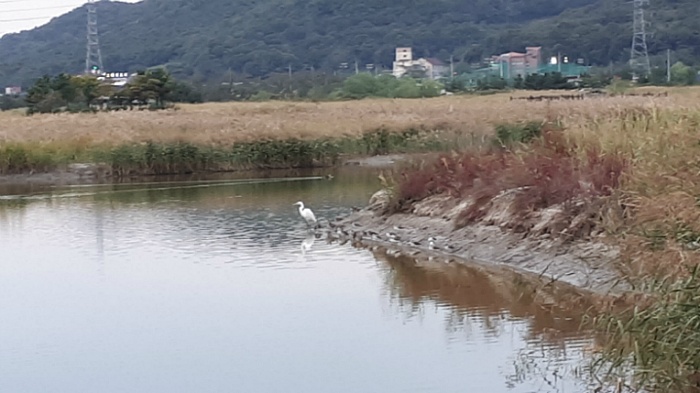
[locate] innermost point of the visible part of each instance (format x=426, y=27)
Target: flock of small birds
x=357, y=234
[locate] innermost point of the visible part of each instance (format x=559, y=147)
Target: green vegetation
x=507, y=134
x=201, y=40
x=366, y=85
x=66, y=93
x=658, y=340
x=186, y=157
x=9, y=102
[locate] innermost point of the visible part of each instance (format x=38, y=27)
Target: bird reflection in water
x=307, y=243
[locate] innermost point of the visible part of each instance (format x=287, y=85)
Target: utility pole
x=230, y=80
x=93, y=58
x=639, y=57
x=668, y=66
x=559, y=62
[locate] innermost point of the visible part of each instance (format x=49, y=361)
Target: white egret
x=306, y=214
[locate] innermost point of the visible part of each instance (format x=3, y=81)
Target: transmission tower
x=93, y=59
x=639, y=58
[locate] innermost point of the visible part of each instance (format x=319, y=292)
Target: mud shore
x=586, y=266
x=92, y=173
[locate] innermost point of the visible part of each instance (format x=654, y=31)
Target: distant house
x=404, y=64
x=13, y=91
x=116, y=79
x=512, y=64
x=434, y=68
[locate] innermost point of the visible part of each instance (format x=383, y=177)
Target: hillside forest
x=217, y=40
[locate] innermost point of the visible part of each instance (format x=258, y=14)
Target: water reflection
x=480, y=304
x=307, y=243
x=155, y=288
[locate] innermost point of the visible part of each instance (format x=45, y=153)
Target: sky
x=18, y=15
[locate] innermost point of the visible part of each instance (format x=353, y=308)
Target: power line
x=22, y=19
x=38, y=9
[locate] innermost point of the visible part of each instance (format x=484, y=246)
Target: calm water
x=210, y=287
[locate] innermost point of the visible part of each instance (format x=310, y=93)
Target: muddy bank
x=586, y=265
x=92, y=173
x=384, y=161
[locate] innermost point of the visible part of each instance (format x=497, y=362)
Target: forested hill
x=202, y=39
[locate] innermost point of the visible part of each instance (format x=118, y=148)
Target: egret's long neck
x=301, y=206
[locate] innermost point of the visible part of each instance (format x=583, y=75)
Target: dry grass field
x=214, y=124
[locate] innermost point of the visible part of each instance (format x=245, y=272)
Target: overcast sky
x=18, y=15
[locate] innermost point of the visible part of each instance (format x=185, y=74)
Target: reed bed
x=227, y=123
x=637, y=163
x=641, y=154
x=366, y=127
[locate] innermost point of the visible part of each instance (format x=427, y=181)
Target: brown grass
x=227, y=123
x=548, y=173
x=636, y=162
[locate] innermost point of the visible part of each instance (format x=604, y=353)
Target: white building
x=13, y=91
x=403, y=63
x=117, y=79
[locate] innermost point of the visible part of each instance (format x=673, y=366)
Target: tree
x=683, y=75
x=182, y=92
x=80, y=93
x=360, y=86
x=88, y=89
x=9, y=102
x=518, y=82
x=151, y=85
x=38, y=93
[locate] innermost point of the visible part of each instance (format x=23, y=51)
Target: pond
x=213, y=284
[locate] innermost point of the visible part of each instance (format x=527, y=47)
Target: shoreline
x=93, y=173
x=584, y=268
x=582, y=265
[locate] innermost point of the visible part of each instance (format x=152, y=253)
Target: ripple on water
x=200, y=296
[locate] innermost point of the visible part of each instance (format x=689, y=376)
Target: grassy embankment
x=229, y=136
x=239, y=135
x=622, y=171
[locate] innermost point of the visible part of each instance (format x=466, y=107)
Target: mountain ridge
x=201, y=40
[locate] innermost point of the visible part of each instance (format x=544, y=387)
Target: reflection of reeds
x=554, y=311
x=480, y=297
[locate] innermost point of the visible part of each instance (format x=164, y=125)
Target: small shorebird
x=431, y=243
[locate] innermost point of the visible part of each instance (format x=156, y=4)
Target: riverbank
x=606, y=204
x=239, y=136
